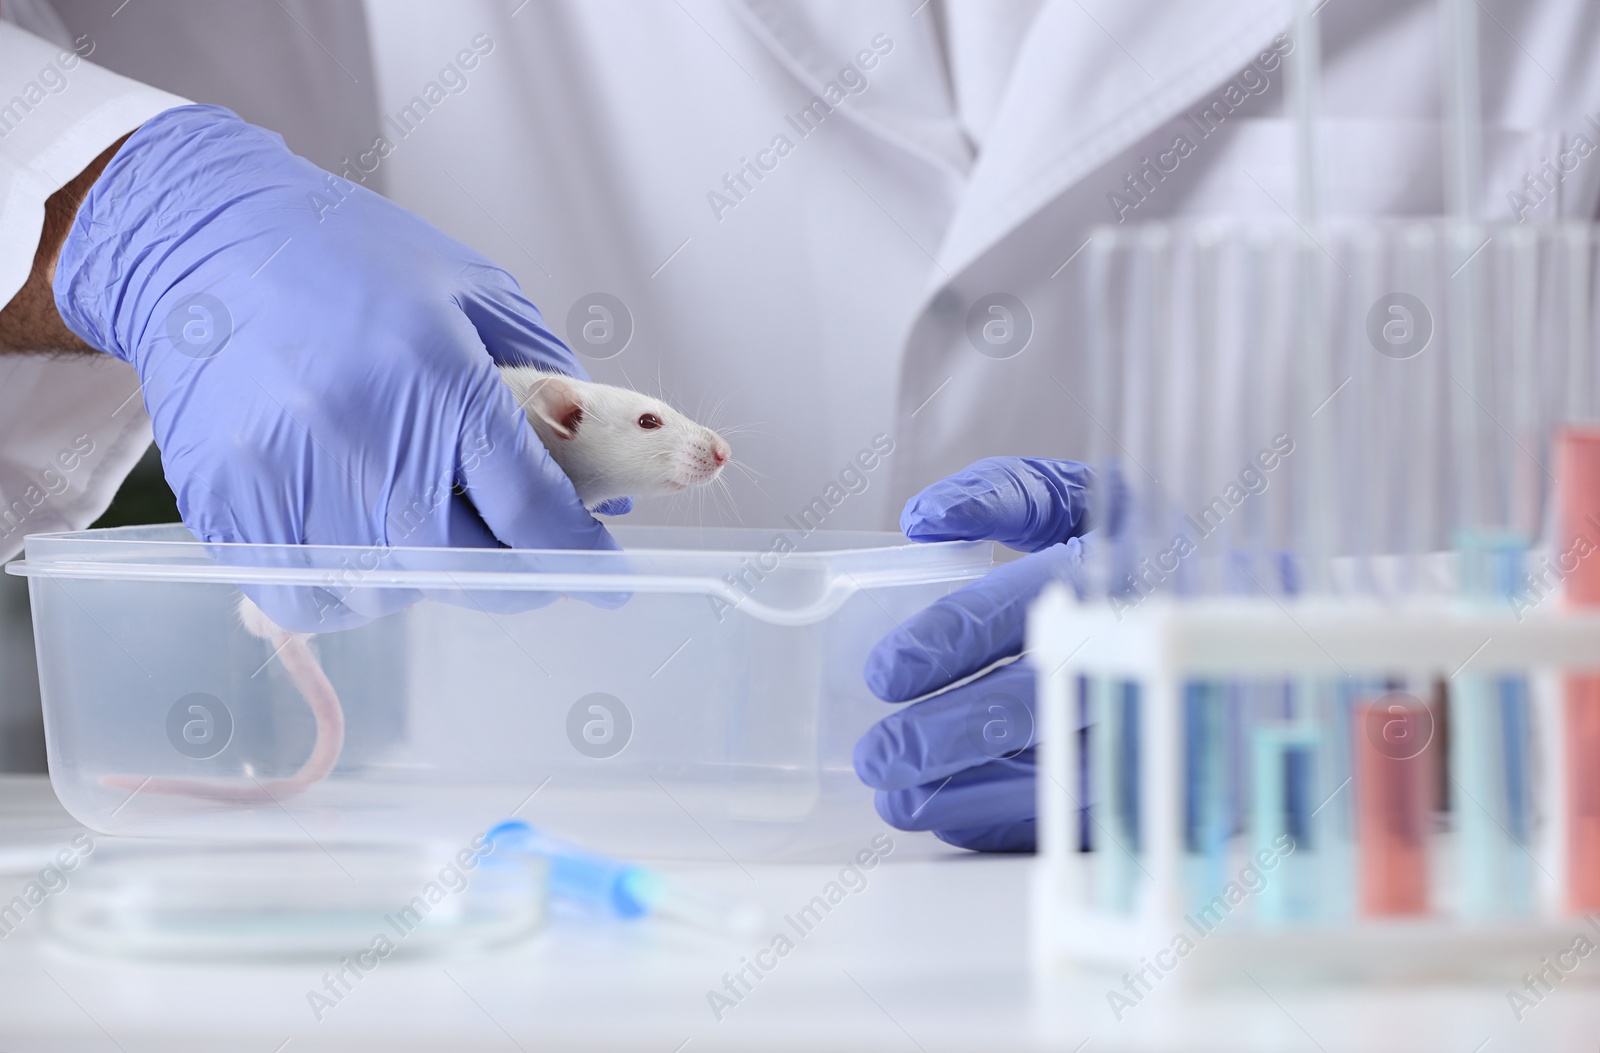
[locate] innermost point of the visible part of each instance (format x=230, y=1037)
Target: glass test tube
x=1578, y=473
x=1394, y=795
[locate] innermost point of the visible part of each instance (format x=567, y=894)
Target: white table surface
x=931, y=955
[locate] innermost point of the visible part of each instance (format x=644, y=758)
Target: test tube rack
x=1078, y=647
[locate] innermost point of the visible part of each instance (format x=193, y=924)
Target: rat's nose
x=720, y=452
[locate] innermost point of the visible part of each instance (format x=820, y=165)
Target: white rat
x=610, y=441
x=613, y=442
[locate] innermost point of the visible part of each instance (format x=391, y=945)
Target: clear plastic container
x=696, y=696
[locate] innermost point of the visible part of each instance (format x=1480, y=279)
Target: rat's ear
x=555, y=401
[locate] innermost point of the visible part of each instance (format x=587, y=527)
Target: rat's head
x=613, y=442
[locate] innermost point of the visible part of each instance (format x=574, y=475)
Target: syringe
x=621, y=889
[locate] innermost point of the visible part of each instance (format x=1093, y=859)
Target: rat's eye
x=649, y=422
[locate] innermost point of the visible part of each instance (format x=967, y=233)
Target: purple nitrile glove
x=961, y=763
x=319, y=363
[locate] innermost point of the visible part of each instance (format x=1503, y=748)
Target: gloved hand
x=319, y=363
x=962, y=762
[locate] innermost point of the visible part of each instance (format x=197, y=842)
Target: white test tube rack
x=1162, y=643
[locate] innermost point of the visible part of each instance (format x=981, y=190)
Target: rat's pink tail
x=307, y=674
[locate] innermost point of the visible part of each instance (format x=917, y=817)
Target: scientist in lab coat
x=856, y=224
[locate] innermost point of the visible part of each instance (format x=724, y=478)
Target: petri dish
x=362, y=901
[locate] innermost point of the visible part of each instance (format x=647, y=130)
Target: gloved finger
x=321, y=608
x=511, y=327
x=465, y=528
x=1027, y=503
x=514, y=333
x=336, y=604
x=959, y=634
x=1020, y=836
x=988, y=719
x=514, y=483
x=1001, y=791
x=532, y=517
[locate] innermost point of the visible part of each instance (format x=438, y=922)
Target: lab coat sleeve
x=71, y=426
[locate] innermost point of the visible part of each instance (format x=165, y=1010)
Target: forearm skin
x=30, y=322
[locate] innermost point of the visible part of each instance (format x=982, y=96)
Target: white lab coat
x=69, y=431
x=596, y=146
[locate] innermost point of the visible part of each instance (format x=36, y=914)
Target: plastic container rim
x=690, y=571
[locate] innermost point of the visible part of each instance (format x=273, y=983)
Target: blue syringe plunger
x=620, y=889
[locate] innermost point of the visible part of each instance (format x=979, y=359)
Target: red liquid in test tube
x=1578, y=532
x=1394, y=803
